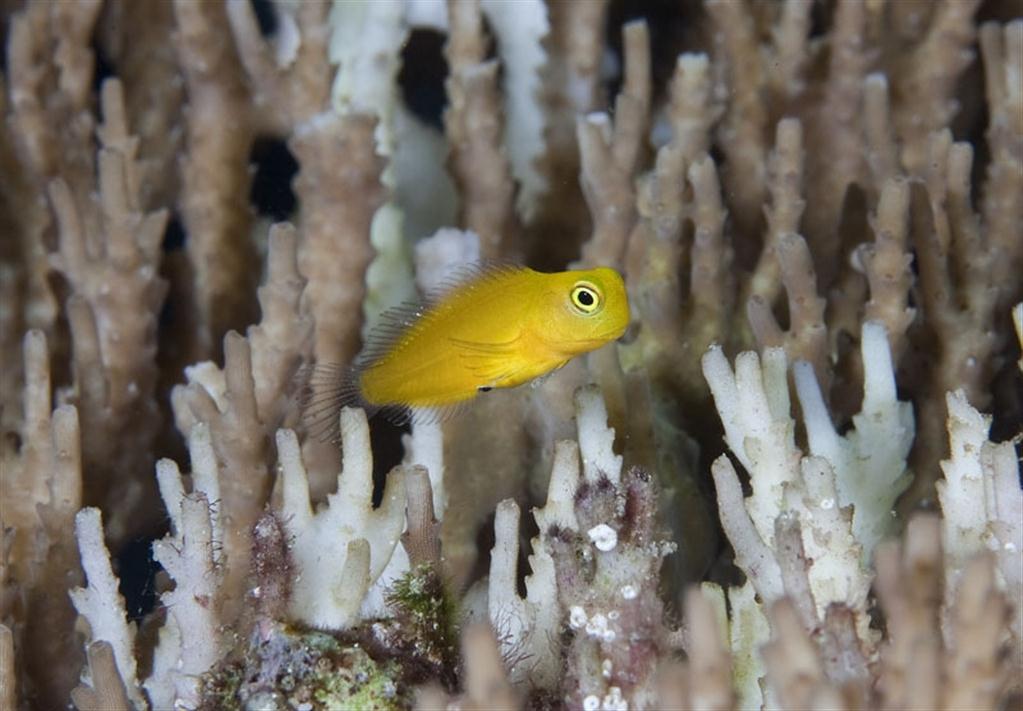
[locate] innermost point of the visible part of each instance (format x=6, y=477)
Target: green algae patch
x=305, y=670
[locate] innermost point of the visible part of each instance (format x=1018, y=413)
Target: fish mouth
x=601, y=338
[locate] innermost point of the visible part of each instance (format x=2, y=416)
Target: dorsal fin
x=396, y=320
x=472, y=273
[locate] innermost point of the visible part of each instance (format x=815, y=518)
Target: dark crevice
x=423, y=73
x=271, y=194
x=137, y=573
x=265, y=16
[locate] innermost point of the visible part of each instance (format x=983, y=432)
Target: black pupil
x=585, y=298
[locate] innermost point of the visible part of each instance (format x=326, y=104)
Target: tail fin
x=324, y=388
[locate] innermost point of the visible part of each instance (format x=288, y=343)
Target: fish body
x=497, y=327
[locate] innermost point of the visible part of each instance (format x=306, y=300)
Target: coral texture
x=793, y=483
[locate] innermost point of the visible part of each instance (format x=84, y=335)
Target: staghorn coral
x=816, y=208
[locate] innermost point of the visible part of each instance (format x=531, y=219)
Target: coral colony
x=793, y=483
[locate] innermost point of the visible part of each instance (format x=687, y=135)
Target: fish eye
x=585, y=297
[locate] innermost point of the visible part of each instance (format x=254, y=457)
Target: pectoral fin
x=491, y=363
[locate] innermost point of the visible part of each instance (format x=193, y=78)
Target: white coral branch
x=981, y=499
x=527, y=628
x=342, y=549
x=101, y=603
x=870, y=461
x=753, y=402
x=596, y=439
x=191, y=642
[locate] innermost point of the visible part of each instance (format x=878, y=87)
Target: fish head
x=583, y=310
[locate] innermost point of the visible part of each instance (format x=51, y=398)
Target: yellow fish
x=495, y=327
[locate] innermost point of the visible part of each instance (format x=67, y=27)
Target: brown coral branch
x=107, y=691
x=50, y=70
x=337, y=208
x=291, y=81
x=976, y=670
x=41, y=489
x=109, y=253
x=910, y=18
x=710, y=283
x=571, y=87
x=909, y=584
x=693, y=112
x=837, y=125
x=421, y=538
x=785, y=209
x=48, y=133
x=338, y=185
x=786, y=72
x=788, y=542
x=215, y=175
x=925, y=85
x=883, y=155
x=1002, y=48
x=610, y=151
x=241, y=442
x=842, y=652
x=807, y=336
x=710, y=665
x=8, y=678
x=474, y=127
x=137, y=38
x=284, y=334
x=742, y=135
x=957, y=297
x=794, y=668
x=653, y=263
x=887, y=265
x=486, y=682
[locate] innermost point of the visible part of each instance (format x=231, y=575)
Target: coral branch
x=925, y=86
x=693, y=112
x=338, y=207
x=887, y=265
x=290, y=76
x=709, y=663
x=837, y=125
x=421, y=538
x=1002, y=49
x=883, y=154
x=8, y=697
x=526, y=628
x=474, y=129
x=870, y=461
x=975, y=672
x=284, y=334
x=109, y=253
x=807, y=336
x=192, y=643
x=785, y=167
x=486, y=683
x=909, y=585
x=751, y=553
x=107, y=691
x=215, y=175
x=744, y=126
x=610, y=152
x=102, y=606
x=344, y=548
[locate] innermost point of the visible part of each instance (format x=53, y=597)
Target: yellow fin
x=490, y=362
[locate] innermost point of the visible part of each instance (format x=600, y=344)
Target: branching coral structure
x=794, y=482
